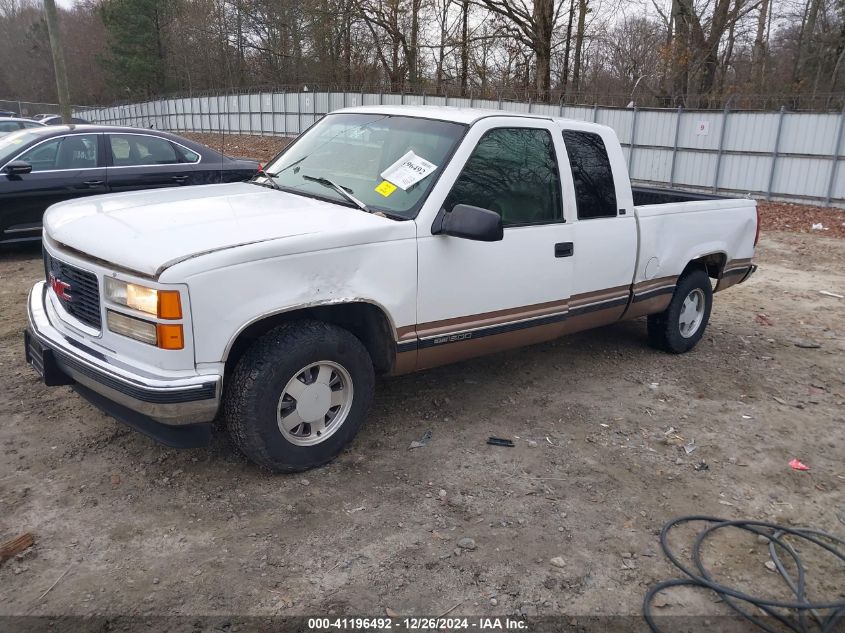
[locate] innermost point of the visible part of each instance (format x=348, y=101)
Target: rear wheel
x=299, y=395
x=680, y=327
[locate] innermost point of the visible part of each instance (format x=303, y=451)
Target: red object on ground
x=797, y=465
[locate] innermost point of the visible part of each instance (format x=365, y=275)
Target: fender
x=305, y=306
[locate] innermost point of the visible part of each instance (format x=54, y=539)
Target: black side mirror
x=470, y=223
x=17, y=168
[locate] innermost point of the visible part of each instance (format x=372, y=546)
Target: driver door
x=63, y=167
x=480, y=297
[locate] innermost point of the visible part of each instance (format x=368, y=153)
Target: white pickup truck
x=383, y=240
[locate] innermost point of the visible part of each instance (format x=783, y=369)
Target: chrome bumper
x=171, y=400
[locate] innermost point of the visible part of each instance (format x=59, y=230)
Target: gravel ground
x=131, y=527
x=565, y=522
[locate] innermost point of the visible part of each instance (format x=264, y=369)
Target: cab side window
x=595, y=192
x=512, y=171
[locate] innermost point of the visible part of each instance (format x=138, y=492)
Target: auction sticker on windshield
x=408, y=170
x=386, y=188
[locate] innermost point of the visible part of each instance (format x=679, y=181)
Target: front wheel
x=299, y=395
x=680, y=327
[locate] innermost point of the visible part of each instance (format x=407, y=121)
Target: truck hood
x=149, y=231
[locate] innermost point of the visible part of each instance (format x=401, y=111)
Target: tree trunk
x=710, y=48
x=413, y=48
x=441, y=53
x=544, y=22
x=347, y=45
x=583, y=7
x=807, y=41
x=759, y=53
x=680, y=53
x=567, y=47
x=464, y=46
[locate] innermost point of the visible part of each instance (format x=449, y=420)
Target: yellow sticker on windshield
x=386, y=188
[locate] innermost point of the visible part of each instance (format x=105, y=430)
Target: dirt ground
x=599, y=419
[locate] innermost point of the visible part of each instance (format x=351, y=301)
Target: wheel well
x=365, y=320
x=712, y=264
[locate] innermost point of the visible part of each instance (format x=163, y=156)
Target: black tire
x=664, y=329
x=254, y=390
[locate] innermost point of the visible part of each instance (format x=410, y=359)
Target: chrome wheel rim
x=315, y=403
x=692, y=313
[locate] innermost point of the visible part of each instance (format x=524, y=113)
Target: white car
x=13, y=124
x=384, y=240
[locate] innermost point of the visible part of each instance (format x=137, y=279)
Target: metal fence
x=31, y=108
x=773, y=155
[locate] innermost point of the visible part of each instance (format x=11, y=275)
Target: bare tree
x=534, y=26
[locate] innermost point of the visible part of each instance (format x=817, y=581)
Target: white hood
x=148, y=231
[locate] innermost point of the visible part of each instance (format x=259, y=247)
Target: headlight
x=129, y=326
x=163, y=335
x=165, y=304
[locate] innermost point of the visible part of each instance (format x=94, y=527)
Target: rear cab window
x=592, y=175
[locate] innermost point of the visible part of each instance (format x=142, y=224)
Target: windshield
x=12, y=144
x=387, y=162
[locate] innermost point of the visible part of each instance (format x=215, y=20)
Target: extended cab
x=384, y=240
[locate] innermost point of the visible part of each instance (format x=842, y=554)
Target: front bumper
x=124, y=392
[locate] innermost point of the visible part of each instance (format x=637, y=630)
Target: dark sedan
x=39, y=167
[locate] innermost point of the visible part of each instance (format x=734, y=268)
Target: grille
x=84, y=290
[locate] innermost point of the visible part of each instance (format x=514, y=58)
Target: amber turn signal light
x=169, y=304
x=170, y=336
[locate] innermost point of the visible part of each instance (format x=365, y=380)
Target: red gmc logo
x=61, y=288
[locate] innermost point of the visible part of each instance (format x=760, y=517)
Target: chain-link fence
x=29, y=109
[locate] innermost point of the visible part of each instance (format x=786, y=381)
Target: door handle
x=93, y=183
x=179, y=178
x=564, y=249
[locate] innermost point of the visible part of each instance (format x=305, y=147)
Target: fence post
x=721, y=147
x=835, y=162
x=775, y=154
x=260, y=112
x=595, y=111
x=675, y=147
x=633, y=142
x=285, y=112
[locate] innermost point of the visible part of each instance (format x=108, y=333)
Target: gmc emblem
x=61, y=288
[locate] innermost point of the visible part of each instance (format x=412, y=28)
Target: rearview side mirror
x=17, y=168
x=469, y=223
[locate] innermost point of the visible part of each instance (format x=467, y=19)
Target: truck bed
x=657, y=195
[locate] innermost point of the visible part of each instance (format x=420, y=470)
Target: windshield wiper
x=268, y=177
x=343, y=191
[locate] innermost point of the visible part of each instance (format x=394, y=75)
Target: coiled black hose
x=826, y=614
